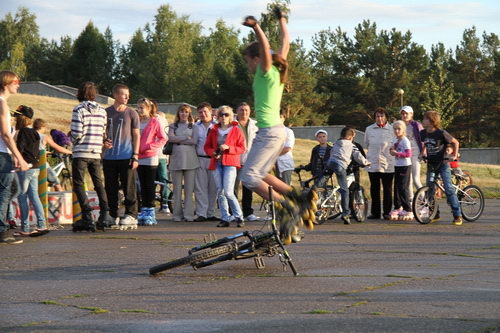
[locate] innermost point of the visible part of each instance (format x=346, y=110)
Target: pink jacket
x=152, y=137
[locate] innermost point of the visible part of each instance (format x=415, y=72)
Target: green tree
x=15, y=61
x=88, y=60
x=438, y=92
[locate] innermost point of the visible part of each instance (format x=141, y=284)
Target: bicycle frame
x=255, y=246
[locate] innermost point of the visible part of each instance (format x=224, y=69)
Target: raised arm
x=284, y=36
x=266, y=60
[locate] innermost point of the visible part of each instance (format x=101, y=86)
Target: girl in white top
x=401, y=150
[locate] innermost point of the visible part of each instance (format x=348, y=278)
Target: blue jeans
x=28, y=184
x=225, y=176
x=6, y=178
x=451, y=196
x=14, y=193
x=344, y=189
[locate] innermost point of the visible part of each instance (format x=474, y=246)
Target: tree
x=15, y=61
x=438, y=92
x=88, y=60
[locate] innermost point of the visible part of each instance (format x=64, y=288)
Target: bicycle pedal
x=259, y=262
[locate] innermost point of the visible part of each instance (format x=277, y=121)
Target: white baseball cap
x=319, y=132
x=407, y=109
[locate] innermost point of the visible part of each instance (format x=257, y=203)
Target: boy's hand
x=280, y=13
x=250, y=21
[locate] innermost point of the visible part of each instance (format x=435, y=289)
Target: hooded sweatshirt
x=88, y=126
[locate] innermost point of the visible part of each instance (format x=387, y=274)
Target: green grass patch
x=360, y=303
x=319, y=312
x=93, y=309
x=378, y=313
x=52, y=302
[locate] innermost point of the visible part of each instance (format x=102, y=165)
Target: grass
x=57, y=113
x=319, y=312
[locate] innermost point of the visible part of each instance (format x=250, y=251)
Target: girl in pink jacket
x=152, y=137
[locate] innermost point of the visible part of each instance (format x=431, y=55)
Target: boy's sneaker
x=436, y=218
x=12, y=224
x=287, y=215
x=239, y=222
x=457, y=220
x=252, y=218
x=304, y=201
x=404, y=215
x=128, y=222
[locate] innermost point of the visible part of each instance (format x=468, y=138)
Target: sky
x=429, y=21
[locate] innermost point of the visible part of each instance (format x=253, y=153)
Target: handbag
x=168, y=148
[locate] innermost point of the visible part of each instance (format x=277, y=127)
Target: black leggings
x=147, y=177
x=401, y=185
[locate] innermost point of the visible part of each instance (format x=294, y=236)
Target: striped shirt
x=88, y=127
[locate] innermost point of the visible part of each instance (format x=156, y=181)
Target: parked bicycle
x=329, y=201
x=248, y=244
x=470, y=198
x=62, y=170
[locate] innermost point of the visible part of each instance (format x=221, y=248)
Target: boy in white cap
x=319, y=156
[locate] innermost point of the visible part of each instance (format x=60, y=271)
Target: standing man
x=88, y=130
x=285, y=164
x=249, y=128
x=121, y=156
x=9, y=84
x=205, y=190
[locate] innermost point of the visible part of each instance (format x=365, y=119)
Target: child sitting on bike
x=40, y=126
x=343, y=152
x=319, y=156
x=435, y=140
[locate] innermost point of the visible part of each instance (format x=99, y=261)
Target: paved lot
x=373, y=277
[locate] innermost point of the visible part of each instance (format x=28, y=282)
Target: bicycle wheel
x=193, y=258
x=323, y=213
x=424, y=207
x=471, y=200
x=358, y=204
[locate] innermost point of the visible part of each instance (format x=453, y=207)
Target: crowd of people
x=210, y=158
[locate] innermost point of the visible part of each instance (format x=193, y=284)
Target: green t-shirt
x=267, y=90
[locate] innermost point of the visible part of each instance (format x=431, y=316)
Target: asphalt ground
x=379, y=276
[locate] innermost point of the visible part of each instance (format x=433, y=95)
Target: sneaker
x=6, y=238
x=239, y=222
x=223, y=224
x=346, y=219
x=404, y=215
x=303, y=201
x=200, y=219
x=387, y=217
x=140, y=216
x=394, y=214
x=164, y=209
x=436, y=218
x=457, y=220
x=128, y=222
x=12, y=224
x=252, y=218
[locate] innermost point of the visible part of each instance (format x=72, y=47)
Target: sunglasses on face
x=16, y=81
x=224, y=115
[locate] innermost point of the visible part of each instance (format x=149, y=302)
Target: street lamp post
x=401, y=93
